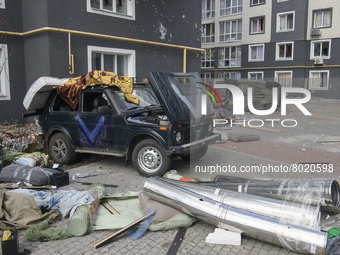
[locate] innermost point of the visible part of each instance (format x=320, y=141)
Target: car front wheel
x=150, y=159
x=61, y=150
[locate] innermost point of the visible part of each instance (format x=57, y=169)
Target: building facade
x=70, y=38
x=290, y=41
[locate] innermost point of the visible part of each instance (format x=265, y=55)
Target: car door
x=96, y=130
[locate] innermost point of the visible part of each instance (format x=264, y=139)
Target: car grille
x=195, y=133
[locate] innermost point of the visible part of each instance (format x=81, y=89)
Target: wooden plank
x=123, y=230
x=109, y=207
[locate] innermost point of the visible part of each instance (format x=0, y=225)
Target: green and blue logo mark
x=204, y=97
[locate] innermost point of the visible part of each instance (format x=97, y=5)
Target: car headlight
x=210, y=128
x=178, y=137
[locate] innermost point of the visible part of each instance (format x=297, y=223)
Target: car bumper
x=193, y=146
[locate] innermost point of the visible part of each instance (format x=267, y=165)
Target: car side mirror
x=104, y=110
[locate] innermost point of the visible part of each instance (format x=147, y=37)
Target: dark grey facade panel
x=46, y=53
x=300, y=8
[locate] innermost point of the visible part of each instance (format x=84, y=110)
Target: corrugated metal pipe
x=292, y=237
x=284, y=211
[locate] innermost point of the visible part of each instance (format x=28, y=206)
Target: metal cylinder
x=326, y=192
x=284, y=211
x=292, y=237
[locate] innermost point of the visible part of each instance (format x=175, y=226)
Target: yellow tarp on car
x=70, y=90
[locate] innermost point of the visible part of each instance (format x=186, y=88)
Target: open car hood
x=180, y=95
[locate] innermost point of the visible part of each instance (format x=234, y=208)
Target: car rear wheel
x=150, y=159
x=200, y=153
x=61, y=150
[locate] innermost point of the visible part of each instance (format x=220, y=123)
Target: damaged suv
x=167, y=121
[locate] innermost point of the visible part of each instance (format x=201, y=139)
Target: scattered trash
x=222, y=236
x=172, y=174
x=79, y=175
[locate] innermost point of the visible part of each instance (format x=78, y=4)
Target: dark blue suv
x=168, y=121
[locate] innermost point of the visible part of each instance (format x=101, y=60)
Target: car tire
x=200, y=153
x=150, y=159
x=61, y=150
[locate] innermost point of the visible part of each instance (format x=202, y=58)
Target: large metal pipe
x=284, y=211
x=292, y=237
x=326, y=192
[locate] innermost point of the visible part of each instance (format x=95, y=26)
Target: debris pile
x=20, y=137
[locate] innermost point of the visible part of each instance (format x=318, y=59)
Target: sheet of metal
x=292, y=237
x=284, y=211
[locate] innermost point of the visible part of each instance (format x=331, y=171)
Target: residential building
x=70, y=38
x=290, y=41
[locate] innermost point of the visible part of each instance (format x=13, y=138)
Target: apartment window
x=230, y=7
x=2, y=4
x=229, y=75
x=117, y=8
x=208, y=9
x=284, y=78
x=257, y=25
x=229, y=56
x=257, y=2
x=322, y=18
x=285, y=21
x=208, y=58
x=4, y=77
x=208, y=33
x=318, y=80
x=231, y=31
x=256, y=52
x=321, y=49
x=119, y=61
x=255, y=76
x=284, y=51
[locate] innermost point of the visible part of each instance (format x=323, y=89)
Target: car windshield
x=145, y=95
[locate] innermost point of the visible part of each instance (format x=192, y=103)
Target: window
x=231, y=31
x=285, y=22
x=257, y=2
x=229, y=56
x=208, y=9
x=322, y=18
x=229, y=75
x=208, y=33
x=230, y=7
x=208, y=58
x=257, y=25
x=256, y=52
x=119, y=61
x=284, y=51
x=321, y=49
x=4, y=77
x=255, y=76
x=282, y=0
x=118, y=8
x=2, y=4
x=284, y=78
x=318, y=80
